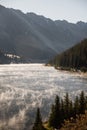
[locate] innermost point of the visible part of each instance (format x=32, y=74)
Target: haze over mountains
x=36, y=38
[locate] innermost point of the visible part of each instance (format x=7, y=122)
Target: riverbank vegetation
x=73, y=59
x=65, y=113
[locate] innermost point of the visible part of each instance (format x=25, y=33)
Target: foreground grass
x=47, y=126
x=79, y=124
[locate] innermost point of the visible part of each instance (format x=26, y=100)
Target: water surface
x=24, y=87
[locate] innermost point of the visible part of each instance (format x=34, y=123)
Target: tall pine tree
x=82, y=103
x=55, y=120
x=76, y=107
x=66, y=106
x=38, y=121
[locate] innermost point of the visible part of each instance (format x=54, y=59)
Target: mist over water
x=24, y=87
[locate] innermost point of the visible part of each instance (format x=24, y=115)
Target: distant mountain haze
x=35, y=37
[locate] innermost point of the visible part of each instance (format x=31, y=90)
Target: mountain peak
x=81, y=23
x=35, y=37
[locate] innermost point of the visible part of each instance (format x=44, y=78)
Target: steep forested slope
x=76, y=57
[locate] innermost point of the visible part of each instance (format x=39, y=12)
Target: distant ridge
x=75, y=58
x=35, y=37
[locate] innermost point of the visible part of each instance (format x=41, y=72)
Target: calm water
x=24, y=87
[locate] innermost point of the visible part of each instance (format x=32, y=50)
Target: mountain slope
x=4, y=59
x=36, y=37
x=9, y=58
x=76, y=57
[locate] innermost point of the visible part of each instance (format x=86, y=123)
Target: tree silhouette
x=67, y=106
x=38, y=121
x=82, y=103
x=73, y=58
x=55, y=119
x=76, y=107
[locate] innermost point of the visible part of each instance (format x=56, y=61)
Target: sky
x=70, y=10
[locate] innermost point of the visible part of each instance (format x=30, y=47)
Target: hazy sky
x=71, y=10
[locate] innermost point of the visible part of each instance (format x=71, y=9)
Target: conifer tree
x=66, y=106
x=76, y=106
x=54, y=119
x=57, y=112
x=38, y=121
x=86, y=102
x=62, y=111
x=82, y=103
x=71, y=109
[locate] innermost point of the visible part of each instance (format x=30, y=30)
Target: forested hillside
x=76, y=57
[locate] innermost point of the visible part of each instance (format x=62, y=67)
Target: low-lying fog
x=24, y=87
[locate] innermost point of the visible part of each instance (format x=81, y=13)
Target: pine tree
x=76, y=107
x=57, y=112
x=54, y=119
x=66, y=106
x=82, y=103
x=38, y=121
x=71, y=109
x=62, y=111
x=86, y=102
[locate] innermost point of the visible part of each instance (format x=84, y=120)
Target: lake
x=24, y=87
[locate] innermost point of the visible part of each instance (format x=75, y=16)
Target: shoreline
x=71, y=70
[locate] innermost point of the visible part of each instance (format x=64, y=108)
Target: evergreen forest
x=61, y=111
x=73, y=58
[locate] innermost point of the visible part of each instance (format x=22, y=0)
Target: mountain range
x=37, y=38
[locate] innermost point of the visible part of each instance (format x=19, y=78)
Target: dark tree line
x=38, y=125
x=64, y=109
x=61, y=110
x=76, y=57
